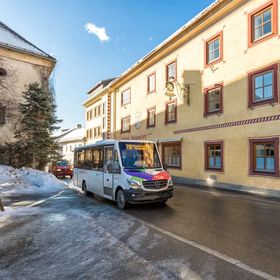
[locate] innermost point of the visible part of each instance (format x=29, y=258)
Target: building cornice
x=27, y=57
x=97, y=97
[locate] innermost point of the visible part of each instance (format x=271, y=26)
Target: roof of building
x=62, y=132
x=72, y=134
x=77, y=134
x=12, y=40
x=102, y=83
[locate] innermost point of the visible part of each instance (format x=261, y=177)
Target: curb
x=266, y=194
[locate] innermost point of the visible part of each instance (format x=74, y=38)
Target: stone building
x=21, y=63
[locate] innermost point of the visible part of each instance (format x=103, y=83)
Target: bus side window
x=75, y=159
x=81, y=158
x=116, y=163
x=100, y=164
x=94, y=158
x=97, y=159
x=88, y=159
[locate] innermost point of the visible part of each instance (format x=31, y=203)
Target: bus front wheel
x=121, y=200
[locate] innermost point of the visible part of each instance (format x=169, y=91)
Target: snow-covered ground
x=74, y=188
x=19, y=183
x=27, y=180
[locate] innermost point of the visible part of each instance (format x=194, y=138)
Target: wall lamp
x=182, y=90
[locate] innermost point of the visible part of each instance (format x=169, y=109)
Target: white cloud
x=100, y=32
x=151, y=38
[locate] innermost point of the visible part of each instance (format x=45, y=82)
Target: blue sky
x=58, y=27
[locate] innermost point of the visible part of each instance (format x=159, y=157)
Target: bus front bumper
x=142, y=196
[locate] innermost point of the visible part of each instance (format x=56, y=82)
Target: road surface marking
x=44, y=200
x=207, y=250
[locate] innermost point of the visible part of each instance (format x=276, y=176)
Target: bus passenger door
x=108, y=175
x=75, y=176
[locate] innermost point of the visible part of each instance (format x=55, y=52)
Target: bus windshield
x=136, y=155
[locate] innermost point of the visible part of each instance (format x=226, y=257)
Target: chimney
x=79, y=126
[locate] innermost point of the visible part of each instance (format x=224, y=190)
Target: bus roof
x=110, y=142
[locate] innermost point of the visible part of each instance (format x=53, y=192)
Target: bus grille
x=155, y=185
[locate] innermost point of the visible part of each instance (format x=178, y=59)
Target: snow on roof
x=62, y=132
x=10, y=39
x=75, y=134
x=102, y=83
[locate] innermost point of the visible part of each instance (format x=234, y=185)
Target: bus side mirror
x=165, y=166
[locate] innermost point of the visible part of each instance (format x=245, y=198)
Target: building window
x=125, y=124
x=90, y=114
x=171, y=71
x=214, y=49
x=125, y=97
x=264, y=157
x=213, y=99
x=3, y=72
x=2, y=114
x=90, y=133
x=104, y=122
x=263, y=23
x=104, y=108
x=171, y=112
x=263, y=86
x=152, y=83
x=99, y=110
x=151, y=118
x=172, y=155
x=214, y=156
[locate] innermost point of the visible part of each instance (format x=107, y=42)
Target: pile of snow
x=75, y=188
x=27, y=180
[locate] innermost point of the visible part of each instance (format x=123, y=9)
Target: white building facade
x=70, y=139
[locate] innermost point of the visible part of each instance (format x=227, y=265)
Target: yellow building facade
x=222, y=126
x=98, y=112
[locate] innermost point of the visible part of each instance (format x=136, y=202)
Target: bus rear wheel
x=121, y=200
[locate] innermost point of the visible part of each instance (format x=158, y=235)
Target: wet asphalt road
x=73, y=237
x=239, y=226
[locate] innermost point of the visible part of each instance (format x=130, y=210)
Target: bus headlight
x=134, y=184
x=170, y=183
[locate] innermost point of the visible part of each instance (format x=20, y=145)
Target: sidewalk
x=260, y=192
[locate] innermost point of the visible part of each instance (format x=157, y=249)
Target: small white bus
x=124, y=171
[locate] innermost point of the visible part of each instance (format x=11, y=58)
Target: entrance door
x=108, y=175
